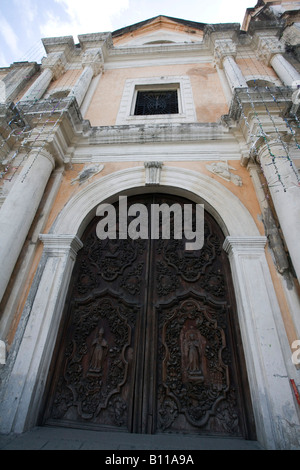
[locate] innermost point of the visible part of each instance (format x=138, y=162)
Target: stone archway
x=154, y=335
x=257, y=305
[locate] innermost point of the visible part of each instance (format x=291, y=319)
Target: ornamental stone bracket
x=153, y=173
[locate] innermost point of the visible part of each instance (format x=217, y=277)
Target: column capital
x=55, y=62
x=245, y=245
x=60, y=244
x=269, y=143
x=267, y=47
x=224, y=48
x=93, y=58
x=37, y=152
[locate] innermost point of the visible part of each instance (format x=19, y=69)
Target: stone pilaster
x=270, y=50
x=19, y=209
x=260, y=320
x=20, y=73
x=92, y=63
x=284, y=187
x=53, y=66
x=225, y=53
x=23, y=391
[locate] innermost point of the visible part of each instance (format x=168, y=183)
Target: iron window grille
x=156, y=102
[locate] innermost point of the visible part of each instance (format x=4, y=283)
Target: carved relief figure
x=192, y=356
x=99, y=353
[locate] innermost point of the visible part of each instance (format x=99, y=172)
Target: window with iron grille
x=156, y=102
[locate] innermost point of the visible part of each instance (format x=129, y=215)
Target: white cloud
x=3, y=60
x=29, y=10
x=9, y=36
x=82, y=17
x=238, y=7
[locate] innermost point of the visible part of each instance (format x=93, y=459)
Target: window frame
x=157, y=89
x=186, y=107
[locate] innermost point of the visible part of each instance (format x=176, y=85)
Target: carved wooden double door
x=150, y=341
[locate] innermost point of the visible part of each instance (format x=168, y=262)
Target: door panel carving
x=149, y=342
x=194, y=374
x=97, y=364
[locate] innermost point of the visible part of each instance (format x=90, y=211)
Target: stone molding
x=58, y=44
x=95, y=40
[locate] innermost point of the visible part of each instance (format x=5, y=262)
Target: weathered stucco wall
x=209, y=99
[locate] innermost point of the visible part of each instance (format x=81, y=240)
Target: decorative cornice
x=148, y=133
x=58, y=44
x=276, y=27
x=95, y=40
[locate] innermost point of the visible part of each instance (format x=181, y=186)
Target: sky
x=24, y=22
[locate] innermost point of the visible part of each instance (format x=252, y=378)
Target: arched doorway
x=150, y=340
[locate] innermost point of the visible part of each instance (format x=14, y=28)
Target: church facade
x=128, y=331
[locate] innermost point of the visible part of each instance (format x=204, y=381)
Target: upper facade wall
x=104, y=72
x=207, y=97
